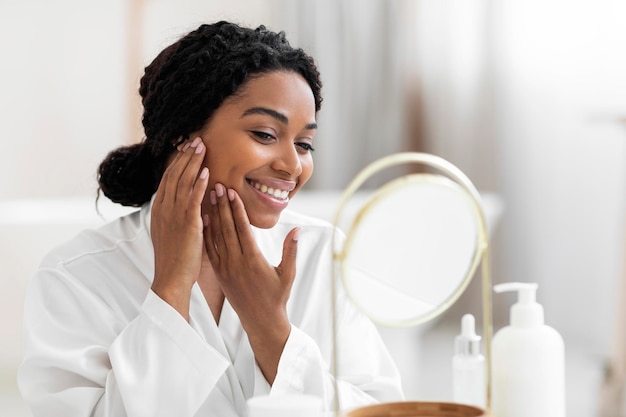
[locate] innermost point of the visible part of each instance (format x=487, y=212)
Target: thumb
x=287, y=267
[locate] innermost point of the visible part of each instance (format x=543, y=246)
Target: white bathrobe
x=99, y=342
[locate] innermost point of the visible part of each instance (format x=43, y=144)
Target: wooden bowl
x=417, y=409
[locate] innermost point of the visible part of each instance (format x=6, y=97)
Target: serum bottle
x=468, y=366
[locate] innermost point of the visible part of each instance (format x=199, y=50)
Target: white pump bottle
x=528, y=366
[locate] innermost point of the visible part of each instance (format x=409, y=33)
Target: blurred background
x=527, y=98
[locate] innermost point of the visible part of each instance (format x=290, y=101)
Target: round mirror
x=412, y=247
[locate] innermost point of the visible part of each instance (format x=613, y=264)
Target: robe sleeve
x=81, y=358
x=366, y=371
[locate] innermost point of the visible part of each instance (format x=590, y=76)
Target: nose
x=287, y=159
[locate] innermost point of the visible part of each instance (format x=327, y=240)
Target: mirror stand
x=453, y=179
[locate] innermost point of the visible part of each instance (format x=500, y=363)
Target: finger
x=227, y=226
x=209, y=242
x=287, y=267
x=175, y=169
x=215, y=225
x=190, y=174
x=198, y=192
x=160, y=194
x=200, y=187
x=242, y=223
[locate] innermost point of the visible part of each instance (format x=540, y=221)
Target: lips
x=272, y=191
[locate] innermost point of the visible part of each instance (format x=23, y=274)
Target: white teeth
x=276, y=193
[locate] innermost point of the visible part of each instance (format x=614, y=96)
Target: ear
x=181, y=141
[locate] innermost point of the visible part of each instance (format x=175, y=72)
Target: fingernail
x=204, y=174
x=296, y=235
x=187, y=145
x=212, y=197
x=205, y=220
x=231, y=194
x=200, y=147
x=196, y=142
x=219, y=189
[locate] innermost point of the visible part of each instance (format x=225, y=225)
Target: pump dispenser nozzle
x=526, y=312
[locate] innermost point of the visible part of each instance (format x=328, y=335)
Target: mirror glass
x=411, y=249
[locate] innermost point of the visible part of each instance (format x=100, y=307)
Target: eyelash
x=262, y=135
x=305, y=146
x=267, y=137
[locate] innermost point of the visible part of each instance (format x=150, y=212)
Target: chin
x=264, y=222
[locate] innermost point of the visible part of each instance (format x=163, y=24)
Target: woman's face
x=259, y=143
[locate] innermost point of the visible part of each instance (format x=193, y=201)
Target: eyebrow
x=276, y=115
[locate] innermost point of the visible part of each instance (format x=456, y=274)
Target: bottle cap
x=526, y=312
x=468, y=342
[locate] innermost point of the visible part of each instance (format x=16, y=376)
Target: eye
x=306, y=146
x=263, y=136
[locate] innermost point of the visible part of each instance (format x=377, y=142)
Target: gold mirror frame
x=385, y=192
x=481, y=257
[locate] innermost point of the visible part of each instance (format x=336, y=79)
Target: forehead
x=282, y=90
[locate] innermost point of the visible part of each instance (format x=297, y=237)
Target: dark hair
x=182, y=88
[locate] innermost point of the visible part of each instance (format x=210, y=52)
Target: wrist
x=274, y=333
x=175, y=296
x=268, y=347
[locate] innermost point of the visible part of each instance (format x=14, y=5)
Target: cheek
x=307, y=169
x=216, y=170
x=224, y=170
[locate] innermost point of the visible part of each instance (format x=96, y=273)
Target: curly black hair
x=181, y=89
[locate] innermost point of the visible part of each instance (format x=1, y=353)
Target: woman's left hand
x=257, y=291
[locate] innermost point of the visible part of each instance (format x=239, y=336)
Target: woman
x=177, y=309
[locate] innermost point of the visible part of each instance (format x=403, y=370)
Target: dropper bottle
x=468, y=366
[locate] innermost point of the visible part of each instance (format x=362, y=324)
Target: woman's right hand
x=177, y=228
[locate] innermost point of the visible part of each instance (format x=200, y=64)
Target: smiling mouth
x=276, y=193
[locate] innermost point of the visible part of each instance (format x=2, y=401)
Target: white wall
x=560, y=88
x=529, y=99
x=64, y=81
